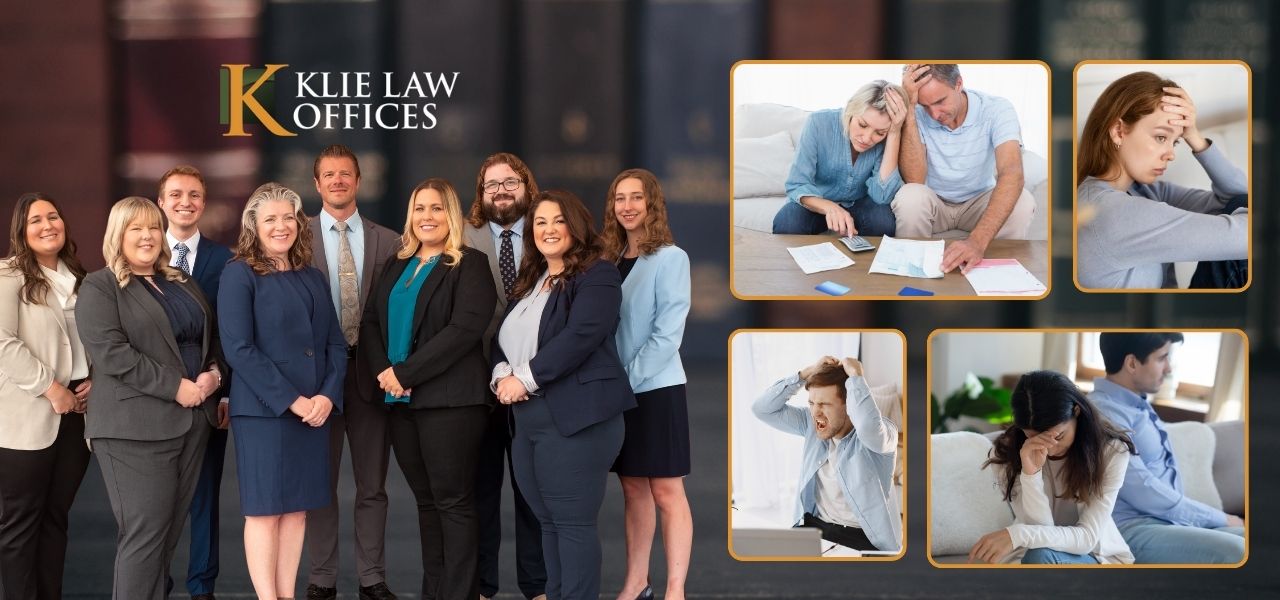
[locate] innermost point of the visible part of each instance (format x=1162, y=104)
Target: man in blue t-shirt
x=961, y=161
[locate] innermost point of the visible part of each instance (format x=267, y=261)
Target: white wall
x=818, y=86
x=766, y=462
x=1220, y=93
x=989, y=354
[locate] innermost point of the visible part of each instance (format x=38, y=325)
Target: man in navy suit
x=182, y=198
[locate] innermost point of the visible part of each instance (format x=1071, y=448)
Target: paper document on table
x=909, y=258
x=1003, y=277
x=819, y=257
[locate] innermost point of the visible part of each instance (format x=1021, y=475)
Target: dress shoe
x=646, y=593
x=315, y=592
x=203, y=597
x=377, y=591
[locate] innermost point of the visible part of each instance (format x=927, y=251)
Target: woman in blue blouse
x=845, y=172
x=655, y=452
x=421, y=334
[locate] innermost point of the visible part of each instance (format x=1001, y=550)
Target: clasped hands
x=64, y=400
x=511, y=390
x=193, y=393
x=390, y=384
x=314, y=411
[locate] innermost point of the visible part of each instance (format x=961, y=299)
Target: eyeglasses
x=510, y=184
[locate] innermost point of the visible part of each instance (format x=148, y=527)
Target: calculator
x=855, y=243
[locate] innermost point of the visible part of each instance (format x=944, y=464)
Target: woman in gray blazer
x=44, y=382
x=655, y=453
x=155, y=352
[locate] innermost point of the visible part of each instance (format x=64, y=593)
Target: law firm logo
x=245, y=94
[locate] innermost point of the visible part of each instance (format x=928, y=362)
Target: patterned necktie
x=182, y=250
x=348, y=287
x=507, y=263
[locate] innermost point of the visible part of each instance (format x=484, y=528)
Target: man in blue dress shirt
x=846, y=471
x=1157, y=519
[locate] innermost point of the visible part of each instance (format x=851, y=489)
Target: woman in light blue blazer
x=655, y=452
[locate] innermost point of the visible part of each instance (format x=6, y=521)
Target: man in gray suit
x=504, y=188
x=351, y=251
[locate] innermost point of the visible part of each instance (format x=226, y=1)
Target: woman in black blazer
x=151, y=338
x=556, y=361
x=421, y=334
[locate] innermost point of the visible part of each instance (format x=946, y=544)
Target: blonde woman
x=283, y=342
x=845, y=172
x=150, y=334
x=421, y=335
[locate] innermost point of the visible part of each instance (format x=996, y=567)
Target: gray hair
x=871, y=95
x=946, y=73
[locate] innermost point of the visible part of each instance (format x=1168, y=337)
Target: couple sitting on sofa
x=1094, y=480
x=879, y=167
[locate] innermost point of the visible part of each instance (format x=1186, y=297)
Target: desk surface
x=762, y=268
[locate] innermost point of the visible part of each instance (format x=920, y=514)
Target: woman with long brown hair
x=1130, y=223
x=556, y=362
x=655, y=453
x=43, y=391
x=1060, y=465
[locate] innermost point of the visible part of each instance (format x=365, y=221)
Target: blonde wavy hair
x=409, y=243
x=122, y=214
x=249, y=247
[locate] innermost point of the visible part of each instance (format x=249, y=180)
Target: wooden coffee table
x=763, y=269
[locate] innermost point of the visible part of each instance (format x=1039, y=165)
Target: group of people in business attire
x=517, y=330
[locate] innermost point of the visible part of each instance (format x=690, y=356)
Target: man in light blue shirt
x=351, y=251
x=846, y=471
x=1158, y=521
x=961, y=162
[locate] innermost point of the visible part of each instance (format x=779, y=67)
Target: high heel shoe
x=646, y=593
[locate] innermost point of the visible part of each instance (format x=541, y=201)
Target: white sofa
x=966, y=501
x=764, y=142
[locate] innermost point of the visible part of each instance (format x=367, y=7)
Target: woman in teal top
x=845, y=172
x=421, y=334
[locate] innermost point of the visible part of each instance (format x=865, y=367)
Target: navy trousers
x=564, y=480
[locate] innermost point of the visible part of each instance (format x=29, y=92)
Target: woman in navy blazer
x=557, y=364
x=288, y=359
x=421, y=334
x=655, y=453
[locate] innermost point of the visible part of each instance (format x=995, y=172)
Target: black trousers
x=37, y=488
x=849, y=537
x=1223, y=274
x=494, y=465
x=437, y=449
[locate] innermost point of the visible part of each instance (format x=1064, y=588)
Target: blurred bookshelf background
x=105, y=96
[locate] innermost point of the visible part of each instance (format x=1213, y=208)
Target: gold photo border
x=906, y=464
x=823, y=298
x=1075, y=142
x=929, y=449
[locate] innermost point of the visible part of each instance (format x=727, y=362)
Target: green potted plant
x=978, y=397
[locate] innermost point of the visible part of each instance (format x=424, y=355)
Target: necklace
x=418, y=269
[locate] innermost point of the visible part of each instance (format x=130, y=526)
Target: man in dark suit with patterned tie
x=351, y=250
x=504, y=187
x=182, y=198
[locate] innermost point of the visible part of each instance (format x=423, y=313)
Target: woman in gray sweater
x=1130, y=224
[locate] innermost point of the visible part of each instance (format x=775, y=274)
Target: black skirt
x=657, y=440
